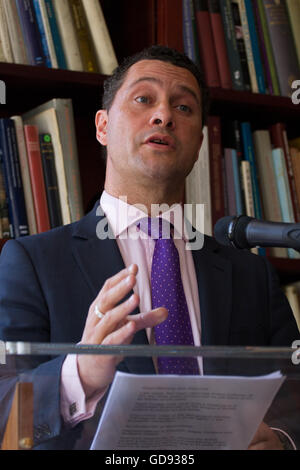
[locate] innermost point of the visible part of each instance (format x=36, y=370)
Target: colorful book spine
x=263, y=49
x=283, y=45
x=250, y=157
x=5, y=224
x=42, y=31
x=15, y=32
x=230, y=38
x=37, y=178
x=50, y=177
x=83, y=35
x=12, y=177
x=293, y=8
x=4, y=36
x=31, y=32
x=59, y=51
x=206, y=44
x=247, y=185
x=220, y=45
x=239, y=34
x=190, y=39
x=255, y=47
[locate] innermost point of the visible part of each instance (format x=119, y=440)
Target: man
x=151, y=124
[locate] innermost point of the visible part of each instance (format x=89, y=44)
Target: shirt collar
x=122, y=215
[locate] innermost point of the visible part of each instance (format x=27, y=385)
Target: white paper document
x=161, y=412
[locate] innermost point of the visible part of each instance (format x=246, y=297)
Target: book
x=232, y=50
x=239, y=34
x=190, y=38
x=197, y=185
x=249, y=155
x=279, y=139
x=41, y=27
x=29, y=203
x=53, y=36
x=247, y=184
x=106, y=56
x=263, y=50
x=219, y=42
x=293, y=9
x=68, y=36
x=37, y=178
x=234, y=194
x=216, y=168
x=12, y=177
x=15, y=32
x=50, y=177
x=56, y=118
x=287, y=214
x=267, y=182
x=270, y=66
x=283, y=45
x=2, y=56
x=206, y=44
x=4, y=36
x=84, y=38
x=31, y=34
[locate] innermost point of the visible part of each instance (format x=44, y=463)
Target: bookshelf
x=132, y=26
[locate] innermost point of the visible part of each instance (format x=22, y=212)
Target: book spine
x=268, y=46
x=216, y=168
x=4, y=35
x=12, y=175
x=279, y=140
x=206, y=44
x=39, y=20
x=30, y=31
x=233, y=53
x=47, y=32
x=25, y=174
x=66, y=124
x=50, y=177
x=5, y=224
x=220, y=46
x=37, y=178
x=83, y=35
x=293, y=8
x=295, y=156
x=255, y=47
x=59, y=51
x=249, y=52
x=237, y=182
x=241, y=44
x=68, y=35
x=106, y=56
x=247, y=184
x=15, y=32
x=231, y=199
x=198, y=190
x=249, y=156
x=263, y=50
x=190, y=39
x=282, y=45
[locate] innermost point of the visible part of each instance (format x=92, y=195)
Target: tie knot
x=156, y=227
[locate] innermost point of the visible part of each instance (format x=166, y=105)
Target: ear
x=101, y=121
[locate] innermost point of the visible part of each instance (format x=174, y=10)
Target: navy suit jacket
x=48, y=281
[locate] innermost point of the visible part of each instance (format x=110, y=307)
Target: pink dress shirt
x=122, y=218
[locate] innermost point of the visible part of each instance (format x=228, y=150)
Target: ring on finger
x=98, y=313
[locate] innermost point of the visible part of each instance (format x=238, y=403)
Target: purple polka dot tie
x=167, y=291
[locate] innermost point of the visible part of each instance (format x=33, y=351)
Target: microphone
x=246, y=232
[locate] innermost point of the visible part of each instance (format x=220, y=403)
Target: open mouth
x=160, y=142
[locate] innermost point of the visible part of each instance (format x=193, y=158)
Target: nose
x=162, y=116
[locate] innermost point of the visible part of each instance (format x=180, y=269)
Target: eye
x=184, y=108
x=142, y=99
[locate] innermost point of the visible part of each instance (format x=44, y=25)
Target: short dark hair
x=157, y=52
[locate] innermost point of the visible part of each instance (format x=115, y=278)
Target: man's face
x=153, y=130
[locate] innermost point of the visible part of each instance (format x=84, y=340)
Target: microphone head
x=231, y=231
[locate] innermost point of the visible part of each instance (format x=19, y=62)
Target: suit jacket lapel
x=98, y=260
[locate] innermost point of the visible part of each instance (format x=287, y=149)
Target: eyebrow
x=183, y=88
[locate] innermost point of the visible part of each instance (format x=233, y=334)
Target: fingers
x=149, y=319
